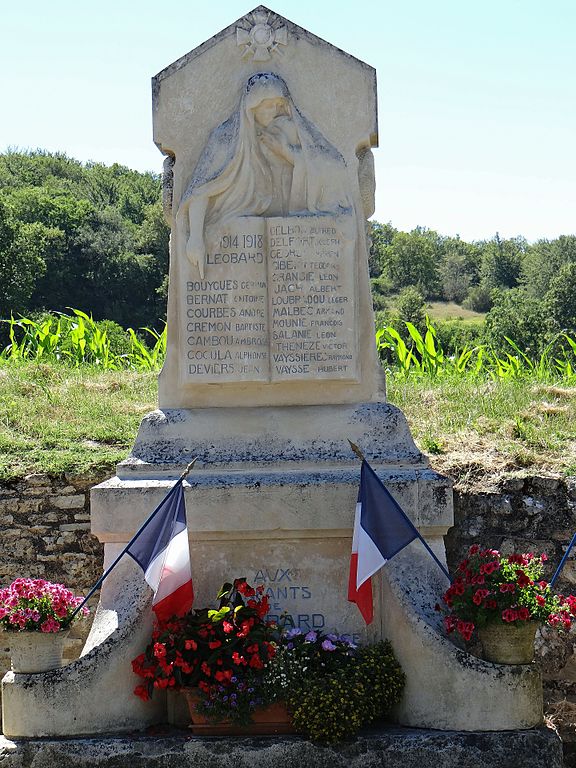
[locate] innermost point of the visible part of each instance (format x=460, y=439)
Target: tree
x=544, y=260
x=412, y=258
x=518, y=316
x=560, y=301
x=22, y=247
x=459, y=268
x=502, y=262
x=381, y=235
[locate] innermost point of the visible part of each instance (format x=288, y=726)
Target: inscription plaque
x=276, y=303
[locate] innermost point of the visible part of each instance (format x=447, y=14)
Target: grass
x=476, y=428
x=54, y=418
x=449, y=310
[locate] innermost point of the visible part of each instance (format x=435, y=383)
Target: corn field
x=423, y=356
x=77, y=339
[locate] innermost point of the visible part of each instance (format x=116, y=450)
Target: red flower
x=256, y=662
x=523, y=580
x=227, y=627
x=540, y=600
x=509, y=615
x=474, y=549
x=159, y=650
x=245, y=589
x=142, y=692
x=206, y=669
x=449, y=624
x=507, y=587
x=191, y=645
x=238, y=659
x=214, y=644
x=223, y=675
x=523, y=614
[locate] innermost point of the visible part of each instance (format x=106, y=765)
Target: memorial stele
x=271, y=368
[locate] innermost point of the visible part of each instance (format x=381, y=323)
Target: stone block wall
x=530, y=514
x=45, y=534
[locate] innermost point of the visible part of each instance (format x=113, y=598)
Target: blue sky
x=477, y=102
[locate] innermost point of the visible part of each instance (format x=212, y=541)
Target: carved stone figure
x=267, y=159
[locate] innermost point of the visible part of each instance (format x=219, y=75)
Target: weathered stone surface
x=386, y=748
x=69, y=502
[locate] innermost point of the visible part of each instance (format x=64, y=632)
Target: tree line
x=81, y=235
x=527, y=290
x=93, y=237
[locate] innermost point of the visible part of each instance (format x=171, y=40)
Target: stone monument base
x=386, y=748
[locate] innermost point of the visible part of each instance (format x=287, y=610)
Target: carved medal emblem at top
x=262, y=36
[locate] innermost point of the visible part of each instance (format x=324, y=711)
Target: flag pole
x=563, y=560
x=361, y=456
x=138, y=532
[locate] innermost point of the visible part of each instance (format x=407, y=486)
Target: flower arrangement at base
x=223, y=652
x=332, y=687
x=36, y=605
x=490, y=588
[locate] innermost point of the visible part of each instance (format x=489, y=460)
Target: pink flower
x=50, y=625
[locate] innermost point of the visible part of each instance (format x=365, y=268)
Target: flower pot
x=36, y=651
x=269, y=720
x=508, y=643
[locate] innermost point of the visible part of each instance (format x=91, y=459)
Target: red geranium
x=511, y=591
x=221, y=651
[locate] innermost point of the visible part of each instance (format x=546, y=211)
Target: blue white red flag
x=163, y=553
x=381, y=530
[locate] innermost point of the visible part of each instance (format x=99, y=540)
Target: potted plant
x=333, y=687
x=505, y=599
x=217, y=657
x=37, y=614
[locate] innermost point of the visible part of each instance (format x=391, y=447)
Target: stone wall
x=45, y=533
x=530, y=514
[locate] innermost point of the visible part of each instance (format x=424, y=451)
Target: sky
x=477, y=101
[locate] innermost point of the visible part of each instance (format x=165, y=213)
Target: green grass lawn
x=59, y=419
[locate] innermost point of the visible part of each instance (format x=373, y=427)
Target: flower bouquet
x=220, y=652
x=491, y=590
x=35, y=605
x=37, y=614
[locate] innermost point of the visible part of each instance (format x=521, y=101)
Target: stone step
x=378, y=748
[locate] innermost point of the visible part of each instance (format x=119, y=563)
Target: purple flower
x=311, y=637
x=332, y=637
x=293, y=633
x=328, y=646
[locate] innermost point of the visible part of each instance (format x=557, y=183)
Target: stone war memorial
x=271, y=368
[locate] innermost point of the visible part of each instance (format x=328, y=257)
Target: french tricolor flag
x=381, y=530
x=161, y=550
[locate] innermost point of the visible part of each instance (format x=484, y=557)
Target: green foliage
x=560, y=301
x=543, y=261
x=335, y=706
x=516, y=315
x=78, y=339
x=81, y=235
x=423, y=355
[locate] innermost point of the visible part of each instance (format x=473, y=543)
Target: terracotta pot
x=268, y=720
x=508, y=643
x=33, y=652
